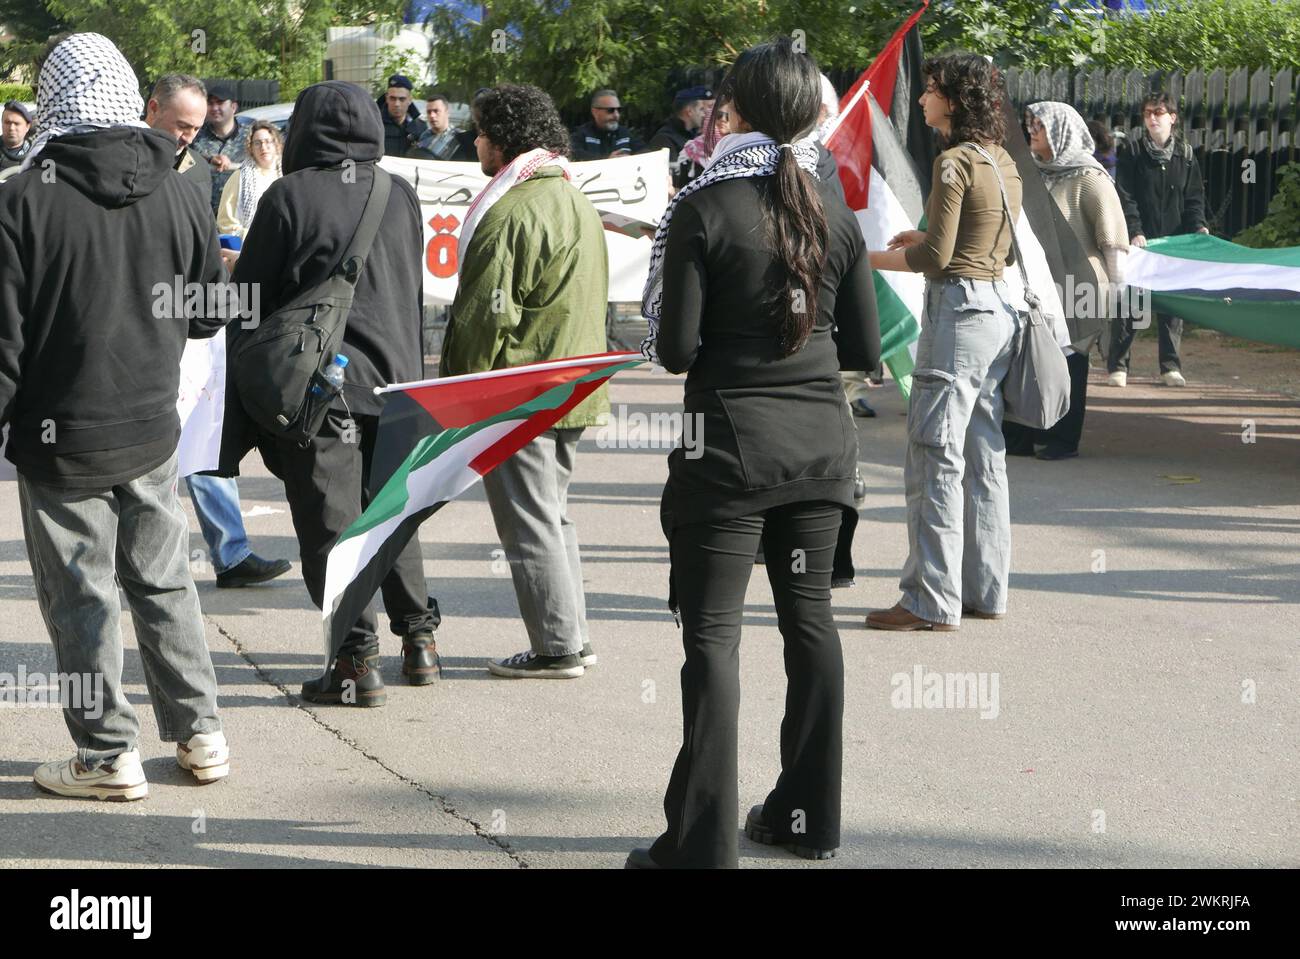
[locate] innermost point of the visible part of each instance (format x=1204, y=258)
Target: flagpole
x=835, y=124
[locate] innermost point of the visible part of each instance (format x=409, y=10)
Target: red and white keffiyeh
x=516, y=171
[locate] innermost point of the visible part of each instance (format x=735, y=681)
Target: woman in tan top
x=1064, y=150
x=958, y=516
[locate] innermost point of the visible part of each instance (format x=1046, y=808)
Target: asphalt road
x=1146, y=709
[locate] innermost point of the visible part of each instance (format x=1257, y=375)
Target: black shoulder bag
x=278, y=368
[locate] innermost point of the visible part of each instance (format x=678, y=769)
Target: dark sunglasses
x=611, y=109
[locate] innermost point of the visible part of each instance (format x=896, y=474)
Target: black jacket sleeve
x=857, y=322
x=1193, y=198
x=1127, y=185
x=685, y=284
x=12, y=335
x=209, y=270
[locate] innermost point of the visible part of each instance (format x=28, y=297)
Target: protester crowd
x=760, y=291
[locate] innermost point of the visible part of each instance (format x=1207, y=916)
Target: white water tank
x=351, y=52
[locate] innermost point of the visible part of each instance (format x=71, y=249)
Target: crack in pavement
x=296, y=703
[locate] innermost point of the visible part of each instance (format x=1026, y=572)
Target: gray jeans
x=529, y=496
x=958, y=516
x=83, y=544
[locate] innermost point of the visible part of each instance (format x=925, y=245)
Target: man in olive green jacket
x=534, y=275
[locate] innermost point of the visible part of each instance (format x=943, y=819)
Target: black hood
x=332, y=122
x=115, y=167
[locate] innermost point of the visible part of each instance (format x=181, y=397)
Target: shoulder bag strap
x=354, y=258
x=1006, y=209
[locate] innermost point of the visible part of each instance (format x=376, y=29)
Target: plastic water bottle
x=334, y=373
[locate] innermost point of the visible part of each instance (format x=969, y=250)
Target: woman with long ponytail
x=760, y=290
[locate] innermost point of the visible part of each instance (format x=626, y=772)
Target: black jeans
x=328, y=485
x=1170, y=333
x=1067, y=432
x=711, y=565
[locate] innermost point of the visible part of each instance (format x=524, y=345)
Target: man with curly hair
x=534, y=275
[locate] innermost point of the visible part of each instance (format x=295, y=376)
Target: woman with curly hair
x=958, y=517
x=243, y=191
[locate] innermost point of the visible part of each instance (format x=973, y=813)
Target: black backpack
x=278, y=367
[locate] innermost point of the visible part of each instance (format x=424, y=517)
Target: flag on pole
x=1253, y=294
x=882, y=187
x=436, y=439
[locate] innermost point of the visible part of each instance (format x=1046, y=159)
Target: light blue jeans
x=216, y=501
x=955, y=478
x=82, y=545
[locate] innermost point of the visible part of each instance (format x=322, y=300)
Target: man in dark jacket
x=15, y=125
x=179, y=108
x=604, y=135
x=1160, y=187
x=402, y=124
x=678, y=129
x=304, y=222
x=94, y=236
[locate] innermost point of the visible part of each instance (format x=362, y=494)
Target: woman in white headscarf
x=1085, y=194
x=240, y=195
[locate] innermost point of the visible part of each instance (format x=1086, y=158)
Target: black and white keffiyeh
x=737, y=155
x=86, y=84
x=253, y=181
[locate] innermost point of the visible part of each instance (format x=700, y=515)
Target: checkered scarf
x=737, y=155
x=86, y=84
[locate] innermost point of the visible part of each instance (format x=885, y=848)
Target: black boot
x=354, y=680
x=420, y=663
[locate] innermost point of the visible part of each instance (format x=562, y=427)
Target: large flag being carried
x=882, y=187
x=1253, y=294
x=436, y=439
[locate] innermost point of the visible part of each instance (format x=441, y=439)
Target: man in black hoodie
x=304, y=223
x=94, y=236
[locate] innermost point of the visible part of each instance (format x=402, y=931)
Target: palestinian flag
x=1244, y=292
x=436, y=439
x=882, y=187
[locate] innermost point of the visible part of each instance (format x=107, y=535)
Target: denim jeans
x=83, y=544
x=958, y=515
x=216, y=501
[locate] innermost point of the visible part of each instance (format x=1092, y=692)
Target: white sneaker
x=206, y=755
x=1173, y=378
x=1118, y=378
x=120, y=781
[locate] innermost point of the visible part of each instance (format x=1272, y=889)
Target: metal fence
x=1240, y=125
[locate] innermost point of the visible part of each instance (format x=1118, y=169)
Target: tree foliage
x=254, y=39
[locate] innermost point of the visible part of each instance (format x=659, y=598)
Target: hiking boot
x=528, y=665
x=120, y=780
x=757, y=830
x=899, y=619
x=1118, y=378
x=354, y=680
x=251, y=571
x=206, y=755
x=420, y=663
x=1173, y=378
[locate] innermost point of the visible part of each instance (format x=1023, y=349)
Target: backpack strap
x=354, y=258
